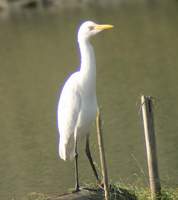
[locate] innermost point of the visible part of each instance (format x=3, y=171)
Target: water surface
x=139, y=56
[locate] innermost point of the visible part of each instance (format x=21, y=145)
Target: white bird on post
x=78, y=103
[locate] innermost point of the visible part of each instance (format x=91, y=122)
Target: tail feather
x=67, y=149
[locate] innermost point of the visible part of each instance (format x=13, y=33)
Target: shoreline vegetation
x=117, y=192
x=20, y=5
x=8, y=7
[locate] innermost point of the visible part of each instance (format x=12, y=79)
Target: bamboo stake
x=102, y=154
x=150, y=140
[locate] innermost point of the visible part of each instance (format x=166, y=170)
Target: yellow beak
x=103, y=26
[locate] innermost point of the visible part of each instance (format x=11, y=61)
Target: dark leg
x=76, y=170
x=91, y=160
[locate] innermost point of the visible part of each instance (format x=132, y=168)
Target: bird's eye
x=91, y=28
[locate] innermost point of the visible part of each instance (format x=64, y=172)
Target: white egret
x=78, y=103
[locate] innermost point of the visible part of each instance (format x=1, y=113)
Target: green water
x=139, y=56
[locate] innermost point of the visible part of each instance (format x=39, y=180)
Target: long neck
x=88, y=65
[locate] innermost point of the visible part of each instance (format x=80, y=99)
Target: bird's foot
x=77, y=189
x=100, y=185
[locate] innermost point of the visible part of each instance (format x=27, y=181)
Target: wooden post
x=102, y=154
x=150, y=140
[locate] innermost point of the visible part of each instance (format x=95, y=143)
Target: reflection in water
x=36, y=54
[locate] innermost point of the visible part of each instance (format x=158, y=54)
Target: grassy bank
x=117, y=193
x=144, y=193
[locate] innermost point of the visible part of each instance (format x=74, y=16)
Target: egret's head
x=89, y=29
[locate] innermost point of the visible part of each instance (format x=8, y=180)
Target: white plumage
x=78, y=103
